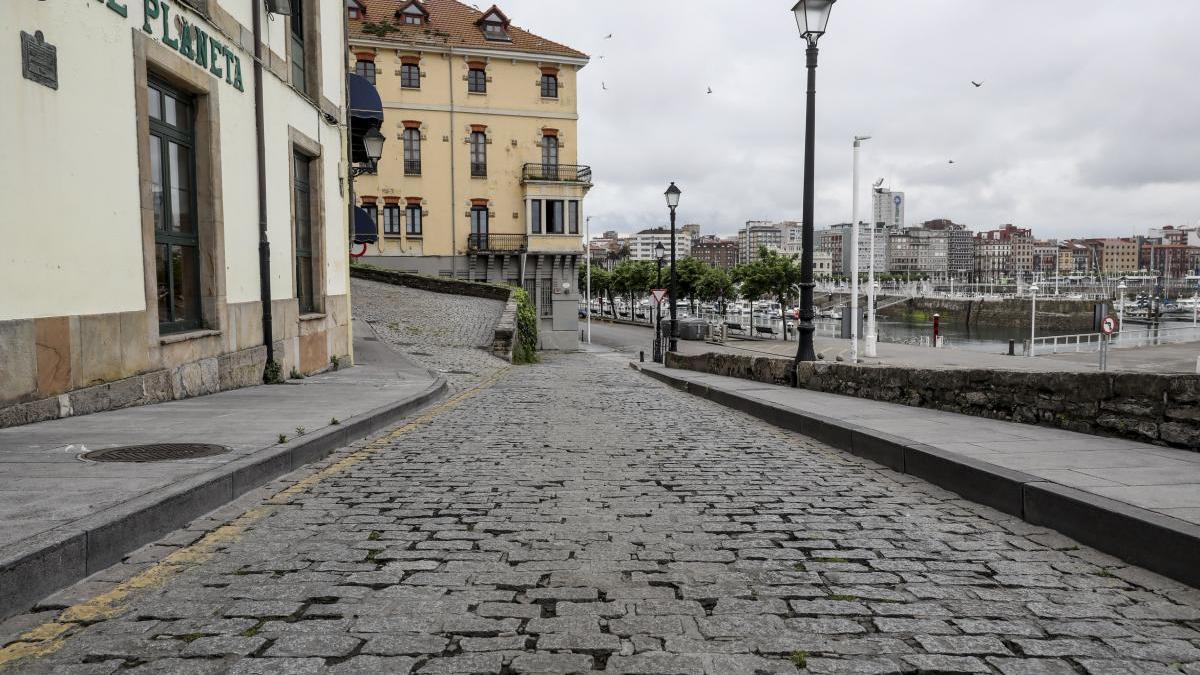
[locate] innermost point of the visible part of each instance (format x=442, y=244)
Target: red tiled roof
x=451, y=21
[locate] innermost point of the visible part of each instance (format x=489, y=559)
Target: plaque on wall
x=39, y=59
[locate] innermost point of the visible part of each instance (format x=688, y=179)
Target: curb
x=1159, y=543
x=36, y=567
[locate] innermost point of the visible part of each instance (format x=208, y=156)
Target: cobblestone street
x=575, y=516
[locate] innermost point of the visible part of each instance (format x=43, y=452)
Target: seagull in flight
x=710, y=90
x=608, y=37
x=951, y=161
x=977, y=84
x=604, y=86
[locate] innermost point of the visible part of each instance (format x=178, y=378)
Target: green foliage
x=335, y=362
x=333, y=421
x=380, y=28
x=800, y=659
x=300, y=431
x=715, y=285
x=634, y=278
x=295, y=374
x=283, y=438
x=273, y=373
x=688, y=274
x=601, y=282
x=525, y=344
x=772, y=276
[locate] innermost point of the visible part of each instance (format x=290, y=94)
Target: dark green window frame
x=177, y=251
x=302, y=215
x=297, y=20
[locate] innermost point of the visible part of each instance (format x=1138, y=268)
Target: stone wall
x=433, y=284
x=1071, y=315
x=506, y=332
x=1160, y=409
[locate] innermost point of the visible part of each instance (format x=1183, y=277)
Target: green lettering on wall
x=229, y=58
x=185, y=41
x=166, y=36
x=201, y=48
x=151, y=12
x=237, y=74
x=118, y=8
x=214, y=55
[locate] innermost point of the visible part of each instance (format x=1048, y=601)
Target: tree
x=632, y=278
x=688, y=272
x=601, y=282
x=773, y=275
x=716, y=286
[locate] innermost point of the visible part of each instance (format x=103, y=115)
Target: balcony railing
x=496, y=243
x=478, y=170
x=559, y=173
x=412, y=167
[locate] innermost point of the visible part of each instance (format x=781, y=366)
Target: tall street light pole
x=812, y=17
x=587, y=250
x=660, y=253
x=672, y=195
x=854, y=255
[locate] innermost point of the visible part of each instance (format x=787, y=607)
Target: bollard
x=1198, y=365
x=1012, y=347
x=937, y=320
x=642, y=356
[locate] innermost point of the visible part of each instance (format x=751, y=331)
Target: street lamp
x=672, y=195
x=812, y=17
x=373, y=144
x=1033, y=291
x=660, y=254
x=854, y=267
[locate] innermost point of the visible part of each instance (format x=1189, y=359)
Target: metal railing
x=478, y=169
x=559, y=173
x=496, y=243
x=412, y=167
x=1133, y=336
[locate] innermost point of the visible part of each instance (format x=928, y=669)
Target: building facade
x=480, y=177
x=757, y=234
x=643, y=244
x=716, y=252
x=137, y=121
x=888, y=208
x=1002, y=254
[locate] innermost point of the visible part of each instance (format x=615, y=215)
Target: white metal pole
x=869, y=343
x=1033, y=319
x=854, y=256
x=587, y=249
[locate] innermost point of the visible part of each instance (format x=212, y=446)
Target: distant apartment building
x=888, y=208
x=1171, y=261
x=1074, y=258
x=691, y=231
x=1003, y=253
x=716, y=252
x=960, y=247
x=919, y=251
x=1118, y=256
x=1045, y=258
x=882, y=236
x=830, y=242
x=755, y=234
x=642, y=246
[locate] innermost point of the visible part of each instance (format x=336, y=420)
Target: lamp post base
x=869, y=345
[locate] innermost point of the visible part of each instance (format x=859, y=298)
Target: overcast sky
x=1088, y=122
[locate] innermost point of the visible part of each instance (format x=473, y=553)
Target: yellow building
x=480, y=176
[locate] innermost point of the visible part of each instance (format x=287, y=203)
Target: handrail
x=558, y=173
x=1088, y=342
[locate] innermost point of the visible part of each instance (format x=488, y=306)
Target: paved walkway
x=576, y=516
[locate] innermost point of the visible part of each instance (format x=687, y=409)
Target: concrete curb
x=34, y=568
x=1165, y=545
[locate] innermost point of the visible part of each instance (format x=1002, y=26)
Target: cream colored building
x=129, y=201
x=480, y=177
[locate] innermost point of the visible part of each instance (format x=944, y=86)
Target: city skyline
x=1067, y=135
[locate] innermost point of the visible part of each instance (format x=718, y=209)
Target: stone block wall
x=506, y=332
x=1160, y=409
x=474, y=289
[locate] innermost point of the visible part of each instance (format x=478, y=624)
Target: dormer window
x=413, y=14
x=355, y=9
x=494, y=25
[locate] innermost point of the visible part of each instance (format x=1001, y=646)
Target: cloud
x=1087, y=122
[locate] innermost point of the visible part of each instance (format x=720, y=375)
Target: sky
x=1087, y=123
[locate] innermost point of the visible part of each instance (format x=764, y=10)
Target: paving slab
x=1092, y=488
x=49, y=495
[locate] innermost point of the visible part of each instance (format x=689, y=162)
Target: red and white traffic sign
x=657, y=295
x=1109, y=325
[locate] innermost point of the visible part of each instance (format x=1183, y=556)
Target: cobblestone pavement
x=451, y=334
x=576, y=516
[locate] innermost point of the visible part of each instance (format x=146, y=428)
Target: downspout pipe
x=264, y=243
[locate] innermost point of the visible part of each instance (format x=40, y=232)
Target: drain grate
x=156, y=452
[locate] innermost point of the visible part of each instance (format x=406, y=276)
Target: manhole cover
x=157, y=452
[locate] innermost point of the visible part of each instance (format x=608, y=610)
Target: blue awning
x=364, y=98
x=365, y=231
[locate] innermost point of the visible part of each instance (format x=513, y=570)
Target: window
x=302, y=212
x=479, y=226
x=477, y=81
x=414, y=19
x=173, y=187
x=365, y=69
x=535, y=216
x=391, y=219
x=412, y=152
x=554, y=216
x=550, y=157
x=410, y=76
x=478, y=154
x=494, y=30
x=412, y=219
x=549, y=86
x=299, y=76
x=573, y=216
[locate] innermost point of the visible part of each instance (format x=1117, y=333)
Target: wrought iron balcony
x=558, y=173
x=496, y=243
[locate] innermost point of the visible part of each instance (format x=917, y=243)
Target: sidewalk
x=1136, y=501
x=62, y=519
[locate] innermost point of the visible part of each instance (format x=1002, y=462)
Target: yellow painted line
x=49, y=637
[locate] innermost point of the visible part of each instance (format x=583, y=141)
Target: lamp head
x=660, y=251
x=373, y=144
x=672, y=195
x=812, y=16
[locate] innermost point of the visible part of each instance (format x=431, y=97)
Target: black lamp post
x=672, y=195
x=812, y=16
x=660, y=255
x=373, y=144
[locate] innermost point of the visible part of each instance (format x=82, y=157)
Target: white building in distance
x=642, y=246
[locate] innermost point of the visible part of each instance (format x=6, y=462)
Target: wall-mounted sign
x=39, y=59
